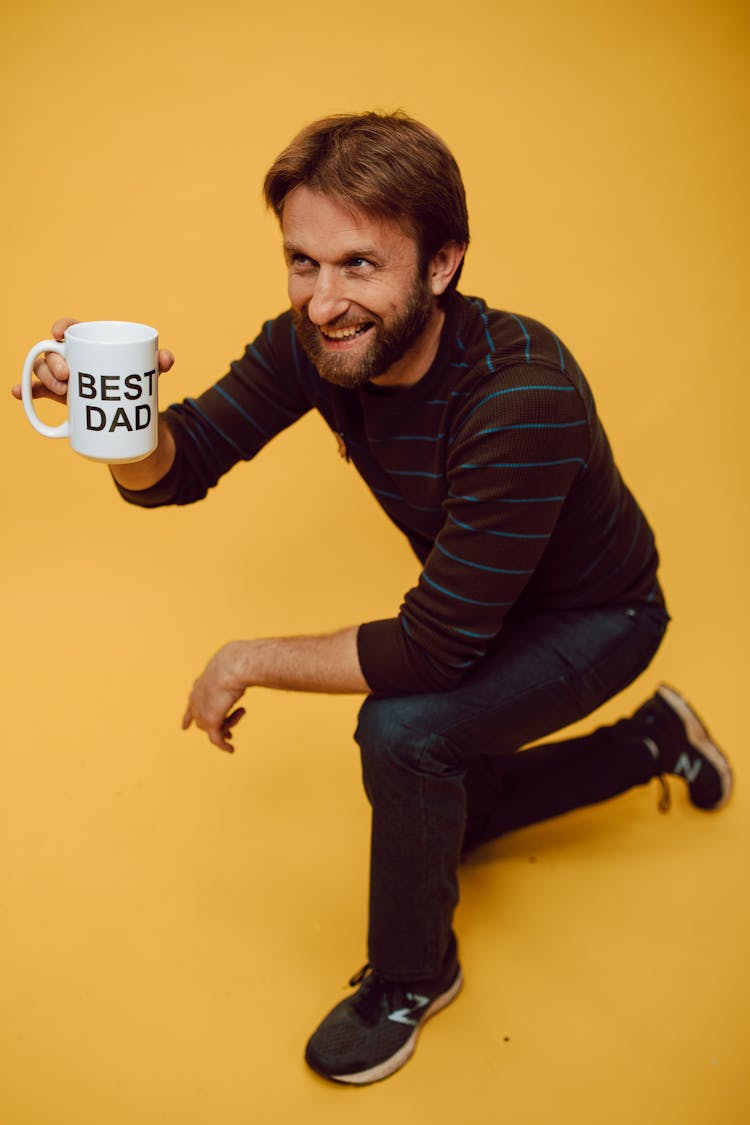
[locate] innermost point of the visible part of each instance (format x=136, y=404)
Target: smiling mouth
x=343, y=335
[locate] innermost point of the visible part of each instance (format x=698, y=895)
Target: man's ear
x=443, y=265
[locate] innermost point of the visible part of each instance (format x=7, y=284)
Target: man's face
x=360, y=306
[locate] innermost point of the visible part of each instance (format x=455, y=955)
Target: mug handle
x=63, y=430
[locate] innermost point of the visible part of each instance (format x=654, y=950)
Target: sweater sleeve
x=263, y=393
x=516, y=454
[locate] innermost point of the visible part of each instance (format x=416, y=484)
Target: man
x=538, y=597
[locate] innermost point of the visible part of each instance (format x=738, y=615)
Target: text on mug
x=108, y=390
x=110, y=386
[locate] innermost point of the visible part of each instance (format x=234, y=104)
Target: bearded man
x=538, y=597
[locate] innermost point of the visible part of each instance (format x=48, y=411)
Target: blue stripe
x=413, y=473
x=507, y=499
x=528, y=338
x=559, y=351
x=489, y=531
x=240, y=411
x=200, y=439
x=523, y=464
x=483, y=315
x=514, y=390
x=390, y=495
x=263, y=363
x=479, y=636
x=395, y=496
x=635, y=539
x=623, y=560
x=284, y=411
x=487, y=332
x=460, y=597
x=479, y=566
x=218, y=429
x=532, y=426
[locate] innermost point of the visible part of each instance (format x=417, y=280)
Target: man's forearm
x=325, y=664
x=308, y=663
x=140, y=475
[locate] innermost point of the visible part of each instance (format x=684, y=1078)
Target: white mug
x=112, y=390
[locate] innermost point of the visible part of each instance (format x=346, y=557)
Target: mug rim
x=142, y=334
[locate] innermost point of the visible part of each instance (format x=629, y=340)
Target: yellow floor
x=174, y=921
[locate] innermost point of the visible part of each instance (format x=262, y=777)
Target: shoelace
x=375, y=994
x=664, y=803
x=665, y=799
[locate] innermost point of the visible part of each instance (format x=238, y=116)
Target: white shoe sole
x=397, y=1060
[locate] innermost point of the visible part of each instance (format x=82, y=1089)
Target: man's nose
x=328, y=300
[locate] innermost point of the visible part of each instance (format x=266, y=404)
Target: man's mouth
x=345, y=334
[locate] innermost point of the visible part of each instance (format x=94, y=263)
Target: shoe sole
x=699, y=738
x=404, y=1053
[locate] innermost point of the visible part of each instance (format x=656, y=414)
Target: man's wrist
x=241, y=658
x=327, y=663
x=141, y=475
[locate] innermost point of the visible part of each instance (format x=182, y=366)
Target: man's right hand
x=51, y=381
x=52, y=372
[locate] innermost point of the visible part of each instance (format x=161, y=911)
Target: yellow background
x=173, y=921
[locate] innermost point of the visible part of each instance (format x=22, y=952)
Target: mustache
x=346, y=320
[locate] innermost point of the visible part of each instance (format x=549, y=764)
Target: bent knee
x=398, y=730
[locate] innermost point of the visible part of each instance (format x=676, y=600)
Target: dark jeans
x=442, y=771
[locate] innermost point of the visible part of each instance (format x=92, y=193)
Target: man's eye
x=300, y=260
x=359, y=263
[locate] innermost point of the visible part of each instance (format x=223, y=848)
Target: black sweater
x=494, y=464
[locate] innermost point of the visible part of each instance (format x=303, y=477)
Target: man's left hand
x=214, y=694
x=322, y=664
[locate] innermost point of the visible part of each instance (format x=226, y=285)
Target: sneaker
x=679, y=741
x=373, y=1032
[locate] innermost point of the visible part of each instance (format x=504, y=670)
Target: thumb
x=166, y=360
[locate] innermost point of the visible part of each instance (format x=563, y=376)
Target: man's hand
x=323, y=664
x=52, y=372
x=214, y=694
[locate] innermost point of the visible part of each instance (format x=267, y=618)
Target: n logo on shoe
x=403, y=1015
x=688, y=769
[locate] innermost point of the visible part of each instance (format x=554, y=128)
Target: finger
x=219, y=740
x=38, y=390
x=52, y=370
x=58, y=328
x=187, y=719
x=57, y=366
x=233, y=719
x=166, y=360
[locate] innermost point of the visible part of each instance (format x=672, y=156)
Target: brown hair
x=387, y=165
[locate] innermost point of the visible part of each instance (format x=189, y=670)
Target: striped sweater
x=494, y=464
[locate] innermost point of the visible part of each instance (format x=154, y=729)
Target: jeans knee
x=393, y=732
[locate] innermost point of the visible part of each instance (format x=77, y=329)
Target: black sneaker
x=681, y=745
x=373, y=1032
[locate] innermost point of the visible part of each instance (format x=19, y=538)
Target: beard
x=388, y=344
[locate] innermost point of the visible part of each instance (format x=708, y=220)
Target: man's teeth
x=343, y=333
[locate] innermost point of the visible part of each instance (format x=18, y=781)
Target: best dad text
x=115, y=388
